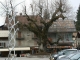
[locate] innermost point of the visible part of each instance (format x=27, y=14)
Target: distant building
x=59, y=29
x=64, y=30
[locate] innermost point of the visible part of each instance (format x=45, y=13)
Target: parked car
x=62, y=53
x=73, y=56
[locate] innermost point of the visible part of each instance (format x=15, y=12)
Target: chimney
x=20, y=14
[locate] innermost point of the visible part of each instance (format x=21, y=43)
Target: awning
x=16, y=49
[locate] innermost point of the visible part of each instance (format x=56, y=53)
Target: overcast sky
x=73, y=3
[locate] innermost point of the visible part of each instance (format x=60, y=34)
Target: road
x=25, y=58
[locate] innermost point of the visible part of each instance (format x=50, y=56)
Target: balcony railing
x=4, y=33
x=1, y=46
x=61, y=30
x=20, y=38
x=66, y=41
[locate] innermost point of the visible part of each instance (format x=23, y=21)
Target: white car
x=63, y=53
x=73, y=56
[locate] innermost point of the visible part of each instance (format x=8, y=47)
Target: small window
x=2, y=44
x=19, y=34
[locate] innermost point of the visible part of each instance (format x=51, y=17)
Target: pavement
x=38, y=56
x=25, y=58
x=30, y=57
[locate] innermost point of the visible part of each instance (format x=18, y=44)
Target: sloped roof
x=63, y=26
x=57, y=26
x=22, y=18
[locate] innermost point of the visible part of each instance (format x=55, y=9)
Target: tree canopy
x=78, y=19
x=41, y=31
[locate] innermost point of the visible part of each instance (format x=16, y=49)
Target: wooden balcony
x=20, y=38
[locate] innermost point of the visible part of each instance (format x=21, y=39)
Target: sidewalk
x=24, y=58
x=38, y=56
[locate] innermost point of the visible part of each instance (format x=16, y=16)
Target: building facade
x=62, y=29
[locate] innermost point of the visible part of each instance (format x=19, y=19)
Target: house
x=3, y=36
x=59, y=29
x=24, y=38
x=62, y=30
x=3, y=39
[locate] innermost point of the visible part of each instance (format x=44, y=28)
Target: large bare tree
x=51, y=11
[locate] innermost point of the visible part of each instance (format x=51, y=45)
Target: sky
x=74, y=4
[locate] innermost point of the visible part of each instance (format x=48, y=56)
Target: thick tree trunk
x=41, y=48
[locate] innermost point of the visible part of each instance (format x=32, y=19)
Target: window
x=19, y=34
x=2, y=44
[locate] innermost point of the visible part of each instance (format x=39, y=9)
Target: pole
x=12, y=33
